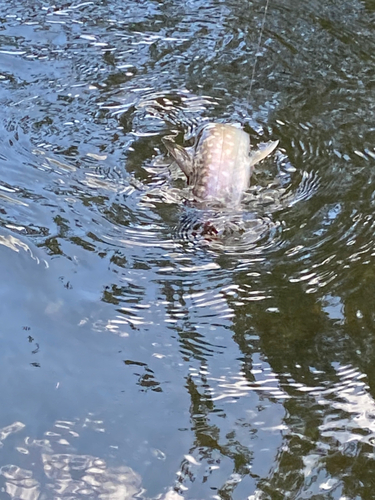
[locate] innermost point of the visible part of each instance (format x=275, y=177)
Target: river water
x=139, y=357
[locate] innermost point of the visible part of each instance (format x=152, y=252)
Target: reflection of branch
x=207, y=447
x=146, y=380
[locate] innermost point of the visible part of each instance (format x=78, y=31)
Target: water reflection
x=66, y=474
x=254, y=352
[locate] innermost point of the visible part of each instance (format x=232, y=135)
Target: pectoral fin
x=180, y=155
x=262, y=152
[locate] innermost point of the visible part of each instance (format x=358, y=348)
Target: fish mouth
x=211, y=225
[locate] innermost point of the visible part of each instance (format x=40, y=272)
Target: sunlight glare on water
x=247, y=332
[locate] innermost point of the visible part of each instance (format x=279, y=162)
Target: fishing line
x=258, y=47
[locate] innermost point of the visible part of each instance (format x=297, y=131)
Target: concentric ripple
x=248, y=333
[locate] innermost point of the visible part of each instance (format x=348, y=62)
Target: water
x=139, y=357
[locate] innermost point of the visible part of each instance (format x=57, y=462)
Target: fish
x=219, y=165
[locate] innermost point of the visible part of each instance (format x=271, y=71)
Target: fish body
x=219, y=165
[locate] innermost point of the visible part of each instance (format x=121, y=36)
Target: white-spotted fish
x=220, y=164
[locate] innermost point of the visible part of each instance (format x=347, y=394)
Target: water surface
x=140, y=358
